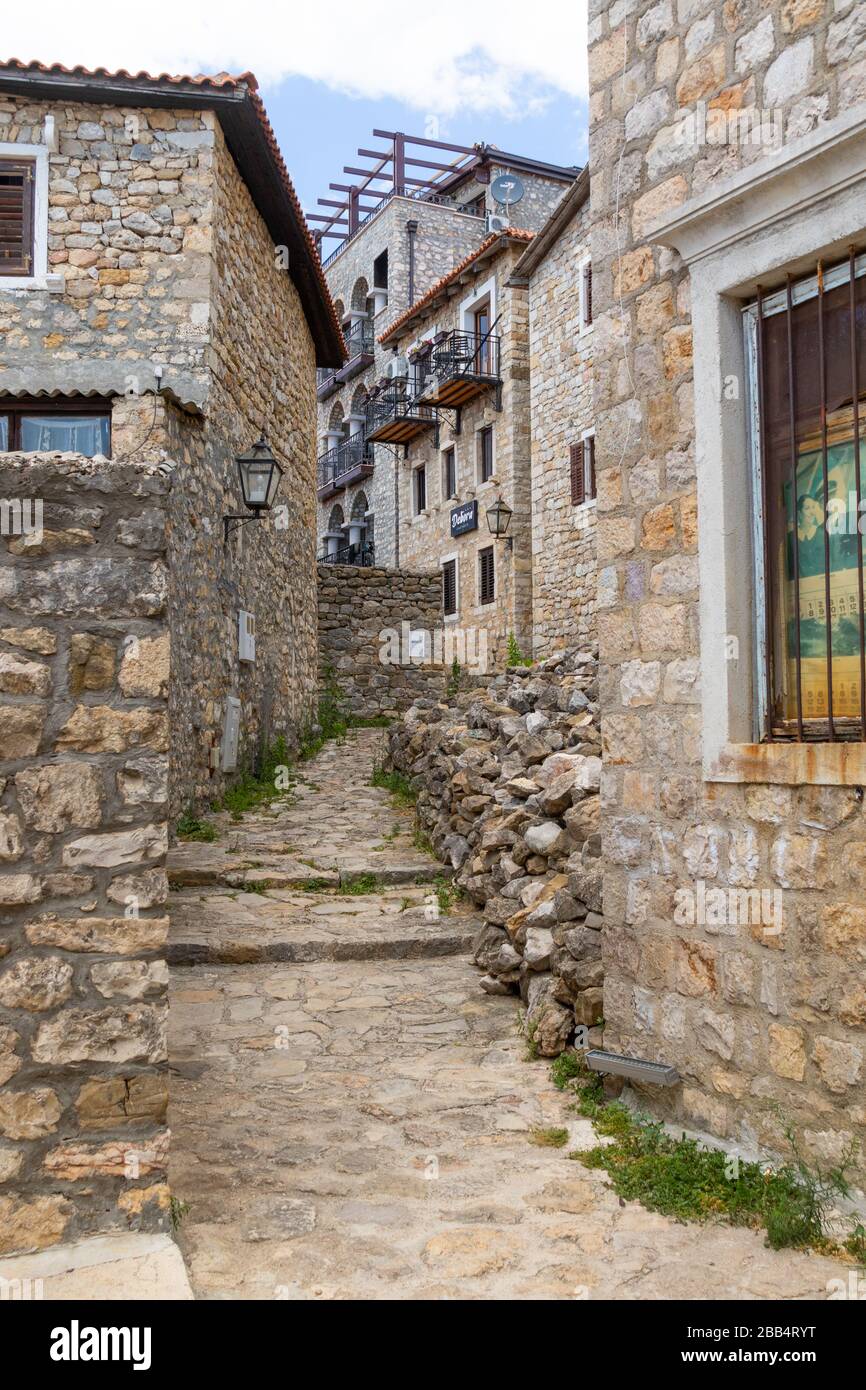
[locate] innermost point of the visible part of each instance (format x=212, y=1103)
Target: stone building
x=728, y=166
x=457, y=423
x=557, y=269
x=169, y=305
x=389, y=258
x=161, y=303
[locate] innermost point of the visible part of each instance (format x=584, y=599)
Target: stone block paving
x=362, y=1129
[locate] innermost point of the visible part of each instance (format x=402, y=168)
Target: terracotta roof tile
x=508, y=233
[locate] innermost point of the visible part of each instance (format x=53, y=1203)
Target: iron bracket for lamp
x=238, y=518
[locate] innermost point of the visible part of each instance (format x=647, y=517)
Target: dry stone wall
x=365, y=618
x=507, y=782
x=84, y=671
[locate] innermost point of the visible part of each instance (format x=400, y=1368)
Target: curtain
x=77, y=434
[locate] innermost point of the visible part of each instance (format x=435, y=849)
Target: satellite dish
x=507, y=189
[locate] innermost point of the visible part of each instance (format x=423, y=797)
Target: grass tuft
x=191, y=827
x=550, y=1138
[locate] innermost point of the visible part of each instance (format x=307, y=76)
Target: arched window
x=360, y=507
x=336, y=521
x=339, y=310
x=335, y=419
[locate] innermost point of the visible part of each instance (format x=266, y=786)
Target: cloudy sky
x=513, y=74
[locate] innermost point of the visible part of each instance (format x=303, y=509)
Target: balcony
x=360, y=340
x=347, y=463
x=360, y=554
x=395, y=417
x=461, y=366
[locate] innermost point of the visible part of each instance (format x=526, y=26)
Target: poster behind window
x=840, y=520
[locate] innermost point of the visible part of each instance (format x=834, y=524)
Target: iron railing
x=359, y=338
x=343, y=459
x=362, y=554
x=465, y=354
x=395, y=404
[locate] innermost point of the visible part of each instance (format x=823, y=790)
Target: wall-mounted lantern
x=260, y=476
x=498, y=518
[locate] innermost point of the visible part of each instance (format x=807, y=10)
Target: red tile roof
x=508, y=234
x=330, y=341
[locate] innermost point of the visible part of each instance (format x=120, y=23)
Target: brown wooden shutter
x=587, y=293
x=578, y=481
x=449, y=586
x=486, y=581
x=590, y=447
x=17, y=178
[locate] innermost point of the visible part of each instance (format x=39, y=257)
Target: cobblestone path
x=353, y=1119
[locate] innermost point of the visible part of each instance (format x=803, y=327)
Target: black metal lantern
x=260, y=476
x=498, y=518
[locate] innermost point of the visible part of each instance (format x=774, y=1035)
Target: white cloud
x=439, y=58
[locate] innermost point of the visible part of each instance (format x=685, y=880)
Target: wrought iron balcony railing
x=363, y=554
x=360, y=338
x=396, y=417
x=344, y=464
x=460, y=365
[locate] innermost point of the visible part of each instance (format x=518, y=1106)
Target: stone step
x=224, y=928
x=203, y=865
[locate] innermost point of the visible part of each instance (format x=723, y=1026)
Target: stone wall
x=762, y=1024
x=262, y=377
x=359, y=610
x=560, y=373
x=84, y=667
x=163, y=260
x=507, y=780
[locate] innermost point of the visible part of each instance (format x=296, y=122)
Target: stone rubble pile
x=508, y=793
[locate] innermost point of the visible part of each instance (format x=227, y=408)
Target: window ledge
x=794, y=764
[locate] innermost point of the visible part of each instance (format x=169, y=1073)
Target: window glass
x=810, y=384
x=79, y=434
x=4, y=432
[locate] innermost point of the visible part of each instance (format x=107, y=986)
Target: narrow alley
x=353, y=1119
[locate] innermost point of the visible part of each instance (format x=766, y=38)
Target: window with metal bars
x=449, y=587
x=807, y=358
x=582, y=470
x=587, y=294
x=486, y=578
x=420, y=490
x=17, y=182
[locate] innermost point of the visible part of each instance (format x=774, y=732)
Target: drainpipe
x=411, y=229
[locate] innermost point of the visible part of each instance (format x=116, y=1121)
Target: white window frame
x=581, y=281
x=474, y=301
x=587, y=500
x=11, y=149
x=443, y=561
x=779, y=214
x=416, y=468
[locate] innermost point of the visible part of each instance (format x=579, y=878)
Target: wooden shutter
x=449, y=586
x=486, y=584
x=16, y=216
x=578, y=479
x=420, y=489
x=587, y=293
x=590, y=451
